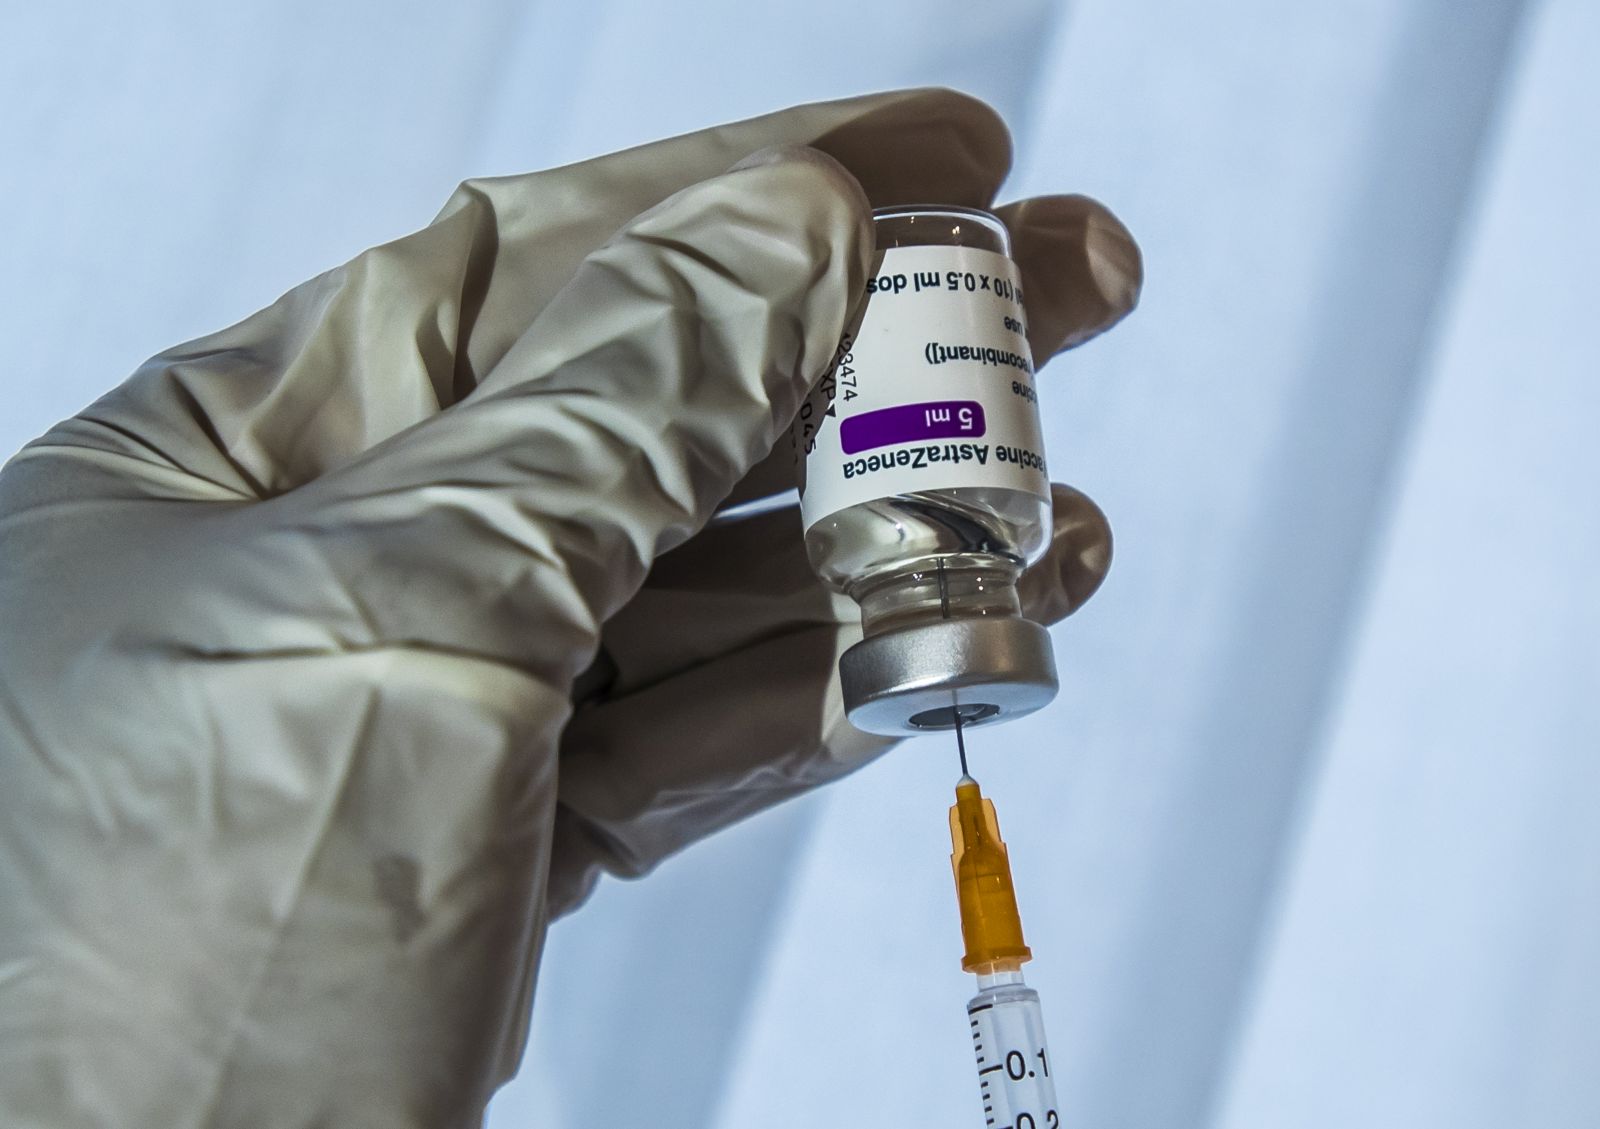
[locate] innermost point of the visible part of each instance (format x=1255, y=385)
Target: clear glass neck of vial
x=958, y=585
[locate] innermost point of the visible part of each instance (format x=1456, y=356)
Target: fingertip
x=1081, y=268
x=1075, y=565
x=1116, y=265
x=924, y=145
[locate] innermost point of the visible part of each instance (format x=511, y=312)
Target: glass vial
x=925, y=491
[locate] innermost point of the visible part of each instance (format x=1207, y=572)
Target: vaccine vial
x=925, y=491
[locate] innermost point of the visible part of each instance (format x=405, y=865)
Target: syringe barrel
x=1014, y=1077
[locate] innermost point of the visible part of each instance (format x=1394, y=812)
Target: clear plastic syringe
x=1007, y=1025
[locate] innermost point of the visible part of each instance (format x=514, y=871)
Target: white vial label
x=933, y=391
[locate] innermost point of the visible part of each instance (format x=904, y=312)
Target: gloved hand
x=290, y=775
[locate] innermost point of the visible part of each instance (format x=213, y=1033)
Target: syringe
x=1007, y=1025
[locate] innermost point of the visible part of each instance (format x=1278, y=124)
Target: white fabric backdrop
x=1308, y=839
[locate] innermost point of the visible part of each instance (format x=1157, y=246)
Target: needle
x=955, y=710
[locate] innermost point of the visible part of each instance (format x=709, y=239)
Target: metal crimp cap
x=916, y=679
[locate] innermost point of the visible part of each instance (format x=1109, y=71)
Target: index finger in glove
x=610, y=430
x=903, y=146
x=364, y=351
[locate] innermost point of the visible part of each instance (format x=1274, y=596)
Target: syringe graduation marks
x=983, y=1083
x=1013, y=1062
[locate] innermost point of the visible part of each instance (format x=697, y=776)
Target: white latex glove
x=293, y=621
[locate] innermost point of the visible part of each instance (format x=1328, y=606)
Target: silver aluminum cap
x=914, y=680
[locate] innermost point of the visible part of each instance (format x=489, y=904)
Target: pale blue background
x=1309, y=839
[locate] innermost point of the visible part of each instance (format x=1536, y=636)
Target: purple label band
x=907, y=423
